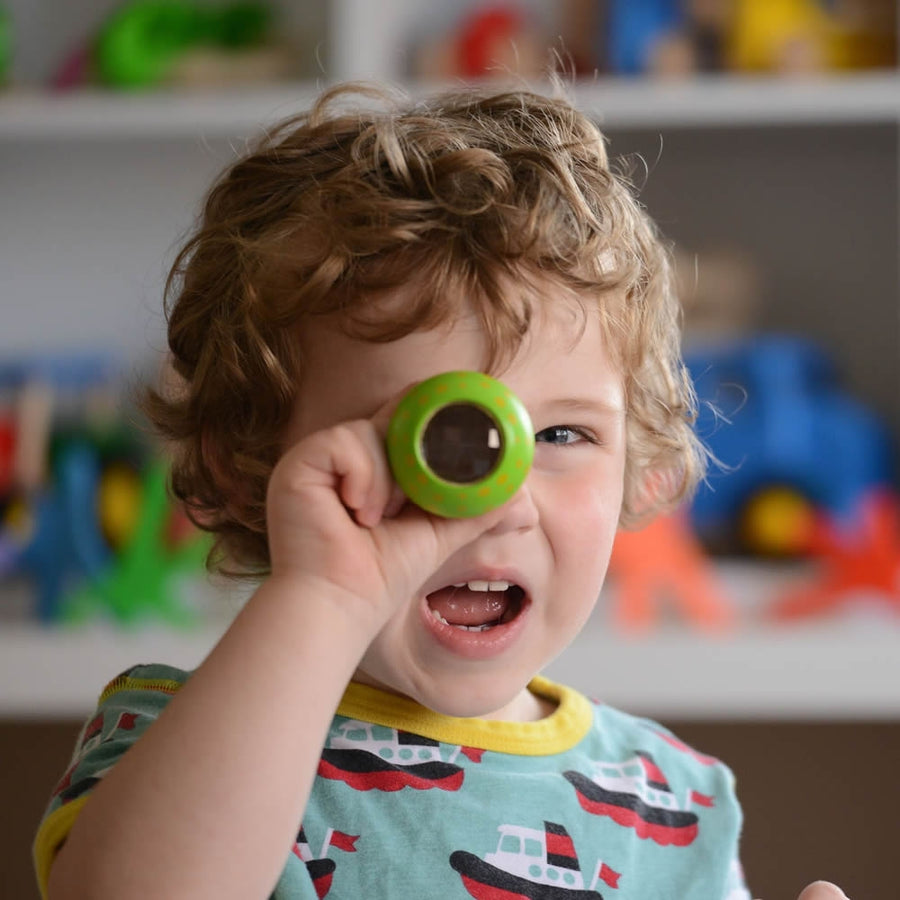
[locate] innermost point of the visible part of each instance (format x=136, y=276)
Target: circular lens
x=461, y=443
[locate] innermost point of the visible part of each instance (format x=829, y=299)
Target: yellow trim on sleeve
x=127, y=683
x=558, y=732
x=50, y=837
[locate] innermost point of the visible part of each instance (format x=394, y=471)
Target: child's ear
x=661, y=486
x=648, y=491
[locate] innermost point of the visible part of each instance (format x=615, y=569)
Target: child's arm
x=208, y=802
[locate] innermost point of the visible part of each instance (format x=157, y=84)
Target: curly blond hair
x=365, y=192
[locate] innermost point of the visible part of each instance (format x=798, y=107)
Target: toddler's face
x=552, y=546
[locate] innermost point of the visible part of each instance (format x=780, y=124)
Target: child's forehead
x=519, y=299
x=470, y=331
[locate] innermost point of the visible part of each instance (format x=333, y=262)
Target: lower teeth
x=484, y=627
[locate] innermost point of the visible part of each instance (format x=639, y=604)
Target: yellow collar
x=558, y=732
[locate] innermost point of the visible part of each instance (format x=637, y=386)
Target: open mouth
x=476, y=605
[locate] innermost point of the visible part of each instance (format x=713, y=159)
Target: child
x=374, y=722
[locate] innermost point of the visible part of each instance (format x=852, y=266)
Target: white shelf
x=727, y=100
x=846, y=667
x=709, y=101
x=805, y=673
x=59, y=673
x=106, y=115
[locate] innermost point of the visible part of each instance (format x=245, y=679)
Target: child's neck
x=536, y=708
x=525, y=707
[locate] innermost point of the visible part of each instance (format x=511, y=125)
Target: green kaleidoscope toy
x=460, y=444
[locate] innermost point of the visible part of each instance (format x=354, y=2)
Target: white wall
x=86, y=232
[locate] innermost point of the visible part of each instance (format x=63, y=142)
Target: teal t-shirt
x=589, y=802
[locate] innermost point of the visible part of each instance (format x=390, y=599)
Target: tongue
x=460, y=606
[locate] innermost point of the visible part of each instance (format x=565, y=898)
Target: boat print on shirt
x=532, y=864
x=68, y=790
x=320, y=868
x=374, y=757
x=681, y=747
x=636, y=794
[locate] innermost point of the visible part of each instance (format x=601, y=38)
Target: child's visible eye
x=560, y=435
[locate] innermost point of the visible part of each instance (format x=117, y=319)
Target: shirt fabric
x=589, y=802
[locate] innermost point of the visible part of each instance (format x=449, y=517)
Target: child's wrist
x=319, y=597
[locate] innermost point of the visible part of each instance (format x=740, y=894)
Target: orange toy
x=665, y=560
x=864, y=562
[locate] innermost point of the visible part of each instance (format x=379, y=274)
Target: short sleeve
x=126, y=708
x=709, y=785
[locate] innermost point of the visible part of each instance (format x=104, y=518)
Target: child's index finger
x=381, y=418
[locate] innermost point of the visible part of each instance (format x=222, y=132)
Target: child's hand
x=822, y=890
x=336, y=516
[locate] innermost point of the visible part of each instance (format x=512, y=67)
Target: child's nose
x=519, y=514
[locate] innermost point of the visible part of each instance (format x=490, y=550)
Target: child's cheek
x=587, y=510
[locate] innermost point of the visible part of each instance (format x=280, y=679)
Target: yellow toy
x=804, y=36
x=781, y=36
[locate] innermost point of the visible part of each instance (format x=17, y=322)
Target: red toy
x=491, y=41
x=866, y=561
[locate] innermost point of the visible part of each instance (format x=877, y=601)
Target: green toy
x=141, y=41
x=460, y=444
x=6, y=44
x=145, y=580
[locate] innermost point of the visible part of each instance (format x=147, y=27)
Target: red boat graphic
x=320, y=869
x=374, y=757
x=530, y=864
x=636, y=794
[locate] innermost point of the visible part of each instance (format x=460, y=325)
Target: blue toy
x=64, y=539
x=633, y=28
x=785, y=423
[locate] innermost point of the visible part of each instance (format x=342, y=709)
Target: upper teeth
x=484, y=585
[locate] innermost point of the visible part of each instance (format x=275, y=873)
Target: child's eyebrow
x=590, y=405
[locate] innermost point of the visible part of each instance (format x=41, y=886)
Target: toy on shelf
x=858, y=559
x=666, y=37
x=787, y=434
x=781, y=36
x=494, y=40
x=140, y=582
x=149, y=43
x=665, y=562
x=76, y=491
x=803, y=36
x=677, y=38
x=6, y=45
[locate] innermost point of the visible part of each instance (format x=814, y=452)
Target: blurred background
x=763, y=137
